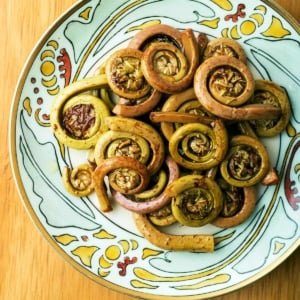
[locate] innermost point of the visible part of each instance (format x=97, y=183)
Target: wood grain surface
x=30, y=269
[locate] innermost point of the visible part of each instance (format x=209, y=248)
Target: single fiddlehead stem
x=272, y=176
x=246, y=163
x=146, y=131
x=79, y=181
x=197, y=146
x=77, y=119
x=124, y=74
x=224, y=85
x=126, y=175
x=168, y=68
x=194, y=242
x=154, y=202
x=269, y=93
x=121, y=143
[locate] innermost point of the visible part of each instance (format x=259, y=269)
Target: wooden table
x=30, y=269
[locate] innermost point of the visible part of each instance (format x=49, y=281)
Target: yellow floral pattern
x=240, y=24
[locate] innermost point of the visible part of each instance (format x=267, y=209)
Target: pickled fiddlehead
x=224, y=85
x=121, y=143
x=77, y=119
x=272, y=176
x=238, y=205
x=126, y=175
x=78, y=181
x=169, y=69
x=124, y=74
x=145, y=130
x=197, y=200
x=198, y=146
x=268, y=92
x=154, y=201
x=246, y=163
x=225, y=47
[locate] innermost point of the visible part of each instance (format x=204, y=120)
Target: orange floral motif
x=66, y=66
x=123, y=265
x=239, y=14
x=291, y=191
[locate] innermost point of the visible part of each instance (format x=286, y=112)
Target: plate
x=107, y=247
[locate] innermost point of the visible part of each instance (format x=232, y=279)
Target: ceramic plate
x=107, y=247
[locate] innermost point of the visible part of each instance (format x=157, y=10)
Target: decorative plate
x=107, y=247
